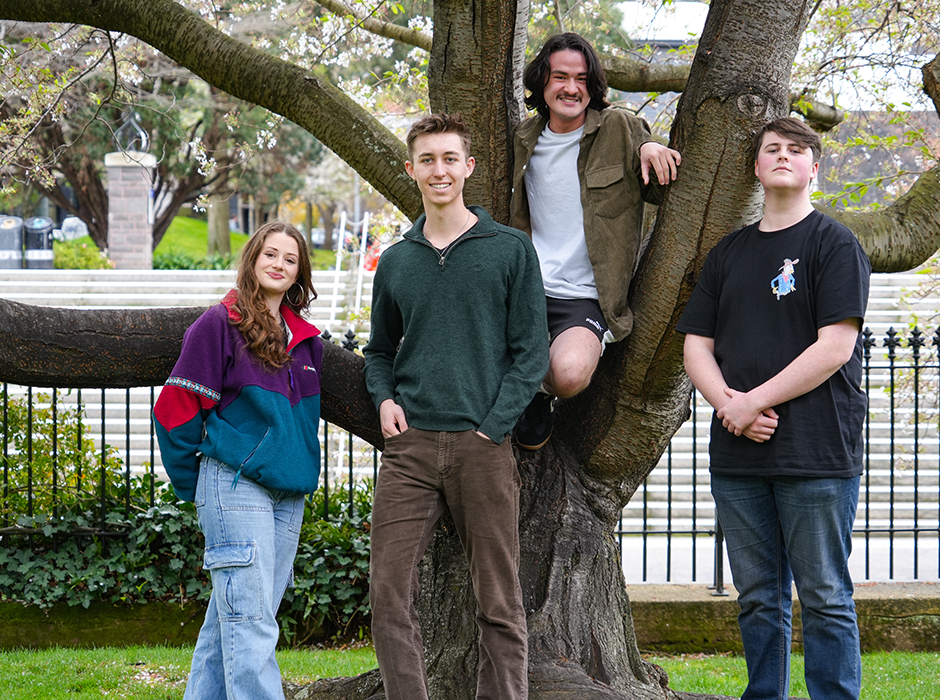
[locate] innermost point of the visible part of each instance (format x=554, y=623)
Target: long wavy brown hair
x=261, y=330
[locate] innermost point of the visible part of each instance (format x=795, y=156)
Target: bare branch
x=632, y=75
x=412, y=37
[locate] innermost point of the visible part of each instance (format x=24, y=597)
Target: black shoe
x=535, y=424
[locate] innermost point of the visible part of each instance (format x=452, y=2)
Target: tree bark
x=472, y=71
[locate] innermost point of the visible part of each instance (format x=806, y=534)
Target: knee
x=571, y=366
x=565, y=381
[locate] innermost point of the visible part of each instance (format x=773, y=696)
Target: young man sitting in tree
x=581, y=175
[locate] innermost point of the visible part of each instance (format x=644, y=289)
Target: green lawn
x=191, y=236
x=145, y=673
x=885, y=676
x=159, y=673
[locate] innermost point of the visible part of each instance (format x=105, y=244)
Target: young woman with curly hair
x=237, y=424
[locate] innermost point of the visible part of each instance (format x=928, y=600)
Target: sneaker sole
x=532, y=448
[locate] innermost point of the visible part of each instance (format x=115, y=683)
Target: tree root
x=561, y=681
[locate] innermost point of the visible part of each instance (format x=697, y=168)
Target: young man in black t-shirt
x=773, y=344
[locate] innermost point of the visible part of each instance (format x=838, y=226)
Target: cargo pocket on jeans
x=236, y=580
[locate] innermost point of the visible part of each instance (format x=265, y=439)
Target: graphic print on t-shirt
x=785, y=282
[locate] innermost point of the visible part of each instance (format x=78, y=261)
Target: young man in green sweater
x=459, y=345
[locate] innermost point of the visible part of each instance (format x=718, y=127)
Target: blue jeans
x=251, y=538
x=781, y=530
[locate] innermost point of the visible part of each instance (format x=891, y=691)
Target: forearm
x=833, y=348
x=703, y=370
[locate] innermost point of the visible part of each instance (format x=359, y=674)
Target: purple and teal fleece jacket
x=221, y=402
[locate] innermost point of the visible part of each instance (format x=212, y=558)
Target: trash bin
x=38, y=238
x=11, y=243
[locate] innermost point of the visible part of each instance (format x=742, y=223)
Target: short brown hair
x=792, y=128
x=440, y=123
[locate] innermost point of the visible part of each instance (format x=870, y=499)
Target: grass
x=191, y=236
x=159, y=673
x=146, y=673
x=885, y=676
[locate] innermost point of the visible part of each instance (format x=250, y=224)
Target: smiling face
x=784, y=164
x=566, y=91
x=440, y=166
x=277, y=265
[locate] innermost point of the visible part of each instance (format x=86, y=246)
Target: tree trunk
x=327, y=213
x=308, y=224
x=608, y=439
x=219, y=239
x=475, y=71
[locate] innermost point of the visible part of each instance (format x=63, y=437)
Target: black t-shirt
x=763, y=296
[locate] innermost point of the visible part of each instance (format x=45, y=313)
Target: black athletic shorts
x=571, y=313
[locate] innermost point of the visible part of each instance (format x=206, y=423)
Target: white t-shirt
x=557, y=219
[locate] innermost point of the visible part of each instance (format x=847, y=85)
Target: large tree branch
x=907, y=233
x=632, y=75
x=739, y=81
x=395, y=32
x=903, y=235
x=67, y=348
x=297, y=94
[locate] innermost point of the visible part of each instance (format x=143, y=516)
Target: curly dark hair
x=537, y=72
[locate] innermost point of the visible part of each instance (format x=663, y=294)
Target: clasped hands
x=741, y=417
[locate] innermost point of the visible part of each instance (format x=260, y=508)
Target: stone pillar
x=130, y=239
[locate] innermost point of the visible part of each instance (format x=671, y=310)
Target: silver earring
x=291, y=301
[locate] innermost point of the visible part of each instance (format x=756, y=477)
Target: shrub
x=175, y=259
x=52, y=463
x=159, y=558
x=330, y=594
x=71, y=544
x=72, y=255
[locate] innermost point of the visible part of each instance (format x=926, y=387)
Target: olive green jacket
x=612, y=196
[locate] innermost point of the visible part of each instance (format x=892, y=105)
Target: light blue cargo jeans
x=251, y=536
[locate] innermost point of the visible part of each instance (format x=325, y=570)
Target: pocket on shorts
x=236, y=579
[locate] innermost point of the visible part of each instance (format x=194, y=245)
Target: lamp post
x=130, y=196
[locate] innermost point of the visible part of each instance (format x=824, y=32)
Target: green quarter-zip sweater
x=459, y=339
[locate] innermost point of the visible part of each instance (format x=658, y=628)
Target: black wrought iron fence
x=99, y=446
x=668, y=531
